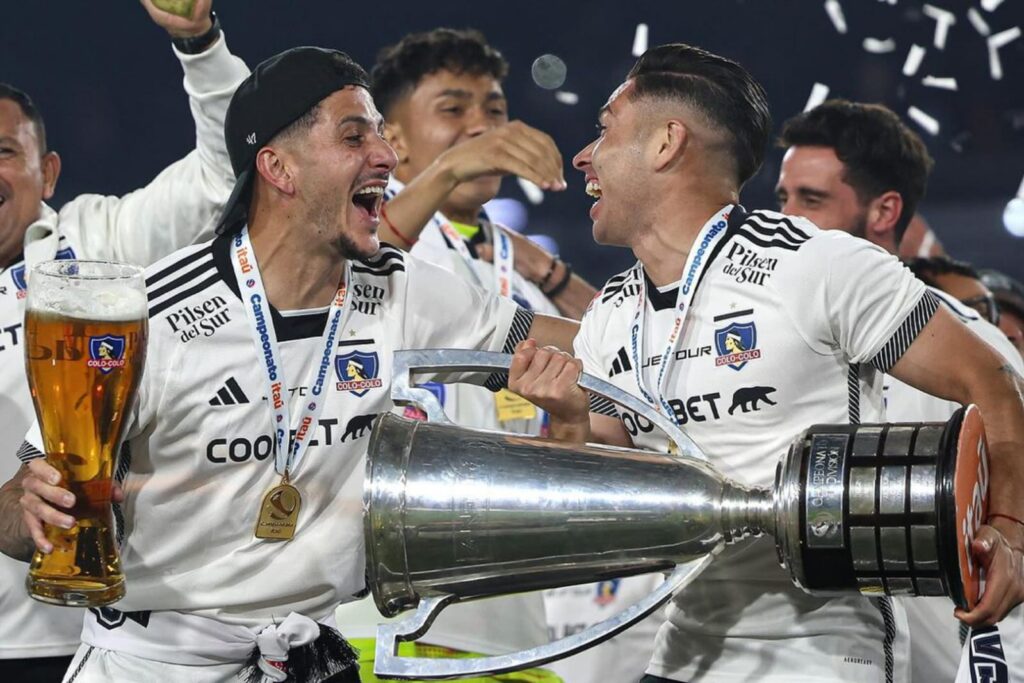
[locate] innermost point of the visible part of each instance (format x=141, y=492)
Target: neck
x=298, y=273
x=665, y=244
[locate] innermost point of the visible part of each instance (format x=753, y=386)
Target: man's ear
x=394, y=136
x=51, y=171
x=273, y=166
x=669, y=142
x=883, y=215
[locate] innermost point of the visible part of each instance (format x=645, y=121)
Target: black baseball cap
x=277, y=93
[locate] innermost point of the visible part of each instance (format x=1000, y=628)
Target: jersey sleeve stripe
x=183, y=294
x=798, y=233
x=28, y=452
x=179, y=264
x=603, y=406
x=766, y=243
x=517, y=332
x=773, y=232
x=191, y=275
x=381, y=272
x=901, y=340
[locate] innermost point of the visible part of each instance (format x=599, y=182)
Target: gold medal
x=279, y=512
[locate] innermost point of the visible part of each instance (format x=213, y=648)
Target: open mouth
x=369, y=199
x=594, y=188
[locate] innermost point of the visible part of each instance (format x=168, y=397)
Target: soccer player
x=288, y=318
x=746, y=327
x=178, y=207
x=856, y=167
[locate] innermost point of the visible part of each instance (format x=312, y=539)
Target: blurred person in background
x=858, y=168
x=178, y=207
x=1009, y=296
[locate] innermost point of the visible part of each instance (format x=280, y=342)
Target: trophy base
x=75, y=592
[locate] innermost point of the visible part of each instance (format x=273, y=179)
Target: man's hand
x=513, y=148
x=549, y=378
x=999, y=548
x=42, y=498
x=182, y=27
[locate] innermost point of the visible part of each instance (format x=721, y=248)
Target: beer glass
x=86, y=326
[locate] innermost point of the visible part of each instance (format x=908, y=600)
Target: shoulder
x=387, y=261
x=773, y=230
x=180, y=275
x=618, y=288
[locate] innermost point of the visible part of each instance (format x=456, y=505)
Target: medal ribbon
x=504, y=255
x=257, y=311
x=696, y=263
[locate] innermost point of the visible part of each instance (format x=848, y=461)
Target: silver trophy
x=453, y=514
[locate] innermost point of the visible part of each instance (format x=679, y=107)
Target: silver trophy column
x=454, y=514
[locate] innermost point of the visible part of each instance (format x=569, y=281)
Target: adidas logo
x=229, y=395
x=621, y=363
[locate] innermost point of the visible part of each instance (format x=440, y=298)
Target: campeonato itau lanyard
x=696, y=262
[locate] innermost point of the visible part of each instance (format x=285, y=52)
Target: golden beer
x=85, y=329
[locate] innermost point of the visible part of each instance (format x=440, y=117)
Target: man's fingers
x=35, y=530
x=44, y=471
x=52, y=494
x=39, y=508
x=521, y=359
x=116, y=493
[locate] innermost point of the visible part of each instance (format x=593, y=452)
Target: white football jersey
x=789, y=326
x=935, y=642
x=200, y=452
x=179, y=207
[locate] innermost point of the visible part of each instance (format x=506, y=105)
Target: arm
x=513, y=148
x=182, y=204
x=981, y=376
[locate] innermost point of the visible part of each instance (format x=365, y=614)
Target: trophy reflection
x=85, y=327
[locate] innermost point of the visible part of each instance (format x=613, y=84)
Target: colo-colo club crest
x=357, y=372
x=737, y=345
x=106, y=353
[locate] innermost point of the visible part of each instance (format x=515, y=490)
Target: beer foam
x=107, y=302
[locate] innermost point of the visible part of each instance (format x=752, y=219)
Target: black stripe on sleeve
x=907, y=332
x=27, y=452
x=184, y=294
x=603, y=406
x=178, y=265
x=517, y=332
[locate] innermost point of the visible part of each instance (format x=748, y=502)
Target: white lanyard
x=504, y=255
x=708, y=237
x=257, y=311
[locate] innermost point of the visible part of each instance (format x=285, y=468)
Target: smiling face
x=446, y=109
x=614, y=172
x=811, y=185
x=27, y=177
x=339, y=170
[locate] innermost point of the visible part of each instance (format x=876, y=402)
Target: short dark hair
x=717, y=87
x=28, y=109
x=927, y=268
x=402, y=66
x=879, y=152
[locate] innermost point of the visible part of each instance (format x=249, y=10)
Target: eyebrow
x=461, y=94
x=8, y=140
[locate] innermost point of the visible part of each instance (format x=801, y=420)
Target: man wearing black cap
x=241, y=538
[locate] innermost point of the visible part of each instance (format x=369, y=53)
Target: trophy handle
x=388, y=664
x=460, y=360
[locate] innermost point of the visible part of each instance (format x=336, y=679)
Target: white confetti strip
x=990, y=5
x=1020, y=190
x=640, y=40
x=534, y=194
x=995, y=66
x=1003, y=37
x=835, y=13
x=566, y=97
x=936, y=82
x=943, y=20
x=913, y=61
x=879, y=47
x=818, y=94
x=924, y=120
x=979, y=24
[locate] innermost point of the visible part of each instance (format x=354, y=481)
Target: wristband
x=383, y=214
x=193, y=45
x=562, y=284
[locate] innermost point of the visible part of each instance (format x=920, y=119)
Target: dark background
x=110, y=88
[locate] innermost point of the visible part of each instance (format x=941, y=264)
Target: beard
x=859, y=227
x=328, y=216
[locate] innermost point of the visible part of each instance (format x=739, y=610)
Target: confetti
x=974, y=16
x=534, y=194
x=640, y=40
x=566, y=97
x=548, y=72
x=990, y=5
x=935, y=82
x=879, y=47
x=1013, y=217
x=913, y=62
x=923, y=120
x=943, y=20
x=995, y=66
x=835, y=13
x=1003, y=37
x=818, y=94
